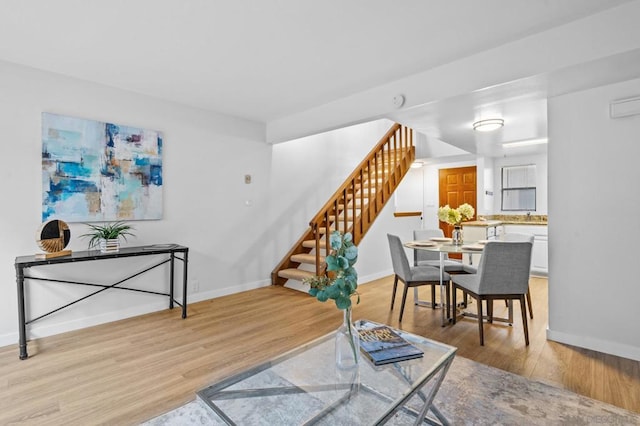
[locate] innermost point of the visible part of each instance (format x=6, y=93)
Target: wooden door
x=457, y=186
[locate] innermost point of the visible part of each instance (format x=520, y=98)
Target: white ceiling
x=263, y=60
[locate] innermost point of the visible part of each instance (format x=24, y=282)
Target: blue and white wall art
x=95, y=171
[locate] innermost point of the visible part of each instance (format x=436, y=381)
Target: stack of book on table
x=382, y=345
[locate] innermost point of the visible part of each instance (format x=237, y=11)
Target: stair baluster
x=354, y=206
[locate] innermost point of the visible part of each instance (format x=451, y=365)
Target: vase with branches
x=455, y=217
x=340, y=284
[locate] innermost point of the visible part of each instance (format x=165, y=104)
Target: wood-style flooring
x=132, y=370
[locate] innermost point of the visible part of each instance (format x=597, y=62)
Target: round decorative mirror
x=53, y=236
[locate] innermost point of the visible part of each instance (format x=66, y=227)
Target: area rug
x=475, y=394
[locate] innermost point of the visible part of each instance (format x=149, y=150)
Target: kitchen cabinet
x=493, y=230
x=480, y=230
x=540, y=254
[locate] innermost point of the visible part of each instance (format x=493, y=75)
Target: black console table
x=25, y=262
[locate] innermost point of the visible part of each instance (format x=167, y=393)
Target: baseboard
x=36, y=331
x=44, y=330
x=604, y=346
x=9, y=339
x=372, y=277
x=212, y=294
x=296, y=285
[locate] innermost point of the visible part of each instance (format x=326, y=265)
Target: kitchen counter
x=524, y=222
x=485, y=223
x=494, y=226
x=496, y=220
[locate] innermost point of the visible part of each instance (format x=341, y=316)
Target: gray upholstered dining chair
x=432, y=258
x=514, y=236
x=412, y=276
x=503, y=274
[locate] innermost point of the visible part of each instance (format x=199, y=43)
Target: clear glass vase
x=347, y=344
x=456, y=235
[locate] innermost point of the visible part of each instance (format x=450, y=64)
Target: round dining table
x=444, y=246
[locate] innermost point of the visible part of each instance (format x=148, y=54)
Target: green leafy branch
x=344, y=283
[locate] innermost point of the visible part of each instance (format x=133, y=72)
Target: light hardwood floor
x=132, y=370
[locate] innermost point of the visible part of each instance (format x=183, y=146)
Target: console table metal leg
x=22, y=326
x=173, y=258
x=184, y=283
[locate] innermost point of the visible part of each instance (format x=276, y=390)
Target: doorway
x=456, y=186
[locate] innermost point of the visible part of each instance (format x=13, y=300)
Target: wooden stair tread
x=366, y=190
x=373, y=187
x=349, y=195
x=295, y=274
x=323, y=229
x=312, y=244
x=350, y=204
x=306, y=258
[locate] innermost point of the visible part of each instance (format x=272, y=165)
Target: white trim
x=372, y=277
x=586, y=342
x=297, y=285
x=199, y=297
x=43, y=330
x=9, y=339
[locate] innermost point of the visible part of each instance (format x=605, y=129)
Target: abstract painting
x=96, y=171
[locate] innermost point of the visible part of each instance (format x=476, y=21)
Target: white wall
x=236, y=232
x=431, y=184
x=540, y=160
x=408, y=197
x=486, y=186
x=325, y=160
x=306, y=172
x=205, y=158
x=593, y=237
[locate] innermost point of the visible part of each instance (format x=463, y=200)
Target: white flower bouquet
x=455, y=216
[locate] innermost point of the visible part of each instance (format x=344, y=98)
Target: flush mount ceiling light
x=525, y=143
x=417, y=164
x=488, y=125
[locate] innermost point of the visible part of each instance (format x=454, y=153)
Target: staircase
x=353, y=207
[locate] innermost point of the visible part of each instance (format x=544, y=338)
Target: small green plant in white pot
x=107, y=236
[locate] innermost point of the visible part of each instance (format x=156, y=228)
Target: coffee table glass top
x=304, y=386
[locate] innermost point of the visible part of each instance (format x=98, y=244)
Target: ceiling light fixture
x=488, y=125
x=417, y=164
x=525, y=143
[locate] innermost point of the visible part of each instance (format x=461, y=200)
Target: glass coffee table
x=303, y=386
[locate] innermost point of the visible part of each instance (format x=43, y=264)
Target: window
x=519, y=188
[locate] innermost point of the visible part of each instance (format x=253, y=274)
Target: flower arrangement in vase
x=455, y=217
x=340, y=285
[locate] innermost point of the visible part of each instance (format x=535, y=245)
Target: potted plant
x=107, y=236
